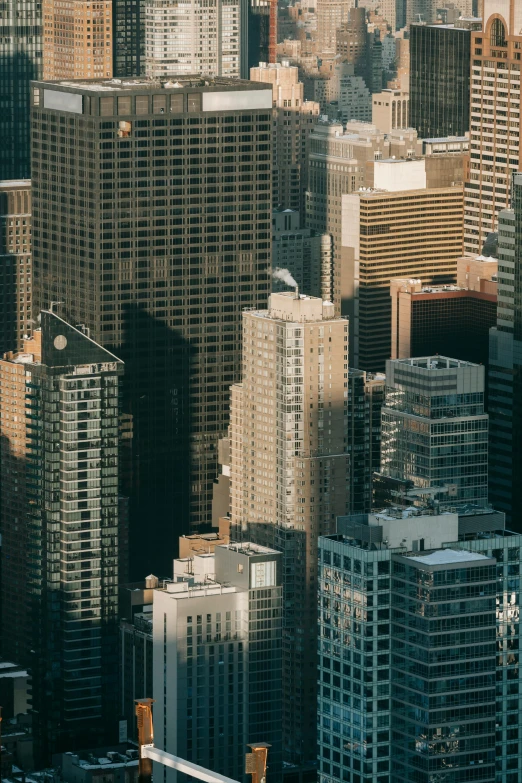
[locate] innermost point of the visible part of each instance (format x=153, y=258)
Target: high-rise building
x=452, y=319
x=434, y=428
x=59, y=516
x=217, y=660
x=386, y=234
x=341, y=161
x=78, y=39
x=162, y=245
x=388, y=9
x=440, y=57
x=15, y=263
x=293, y=120
x=351, y=100
x=306, y=254
x=352, y=40
x=20, y=61
x=128, y=50
x=505, y=368
x=377, y=658
x=195, y=38
x=365, y=398
x=495, y=119
x=289, y=471
x=331, y=14
x=390, y=110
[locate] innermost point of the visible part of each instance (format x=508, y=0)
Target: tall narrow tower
x=495, y=118
x=59, y=517
x=289, y=472
x=505, y=366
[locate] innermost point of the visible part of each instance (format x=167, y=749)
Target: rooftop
x=12, y=184
x=251, y=549
x=141, y=83
x=447, y=557
x=434, y=363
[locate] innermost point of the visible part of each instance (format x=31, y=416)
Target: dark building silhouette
x=128, y=19
x=505, y=368
x=440, y=78
x=20, y=61
x=164, y=225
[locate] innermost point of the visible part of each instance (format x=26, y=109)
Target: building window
x=498, y=34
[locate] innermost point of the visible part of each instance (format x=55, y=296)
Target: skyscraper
x=425, y=608
x=440, y=57
x=330, y=16
x=434, y=428
x=59, y=516
x=128, y=50
x=294, y=119
x=505, y=369
x=392, y=233
x=162, y=245
x=78, y=39
x=495, y=119
x=195, y=38
x=440, y=320
x=15, y=263
x=289, y=471
x=20, y=61
x=217, y=660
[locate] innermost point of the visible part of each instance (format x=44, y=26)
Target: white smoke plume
x=285, y=276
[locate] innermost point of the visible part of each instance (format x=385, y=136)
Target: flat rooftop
x=434, y=363
x=447, y=557
x=139, y=84
x=13, y=184
x=248, y=548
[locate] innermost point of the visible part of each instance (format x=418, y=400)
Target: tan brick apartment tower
x=77, y=39
x=496, y=53
x=289, y=471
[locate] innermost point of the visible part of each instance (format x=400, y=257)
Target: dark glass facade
x=443, y=661
x=418, y=675
x=455, y=323
x=365, y=399
x=20, y=61
x=505, y=369
x=152, y=224
x=439, y=80
x=128, y=19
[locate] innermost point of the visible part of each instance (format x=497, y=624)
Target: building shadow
x=155, y=445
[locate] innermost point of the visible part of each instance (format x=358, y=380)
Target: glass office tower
x=419, y=649
x=434, y=428
x=21, y=60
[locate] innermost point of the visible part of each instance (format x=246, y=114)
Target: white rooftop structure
x=448, y=557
